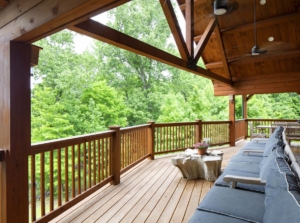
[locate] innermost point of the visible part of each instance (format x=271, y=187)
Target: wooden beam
x=232, y=119
x=15, y=120
x=106, y=34
x=249, y=97
x=50, y=16
x=175, y=28
x=204, y=38
x=267, y=77
x=197, y=38
x=262, y=23
x=223, y=56
x=189, y=24
x=214, y=65
x=260, y=58
x=196, y=2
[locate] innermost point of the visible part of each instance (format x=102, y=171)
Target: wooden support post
x=15, y=130
x=232, y=119
x=245, y=114
x=198, y=136
x=151, y=144
x=116, y=155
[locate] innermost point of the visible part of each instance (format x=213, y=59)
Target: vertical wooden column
x=245, y=114
x=198, y=136
x=15, y=130
x=189, y=17
x=232, y=119
x=151, y=136
x=116, y=155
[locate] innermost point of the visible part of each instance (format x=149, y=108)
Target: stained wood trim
x=175, y=28
x=223, y=56
x=189, y=24
x=263, y=23
x=196, y=2
x=50, y=16
x=197, y=38
x=214, y=65
x=204, y=38
x=249, y=97
x=260, y=58
x=106, y=34
x=267, y=77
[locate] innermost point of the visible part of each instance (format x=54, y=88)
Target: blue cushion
x=244, y=205
x=247, y=159
x=243, y=167
x=243, y=186
x=285, y=208
x=209, y=217
x=268, y=148
x=270, y=162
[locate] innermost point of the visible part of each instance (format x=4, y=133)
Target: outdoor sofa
x=259, y=184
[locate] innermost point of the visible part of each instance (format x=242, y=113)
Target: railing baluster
x=42, y=174
x=89, y=165
x=51, y=203
x=59, y=201
x=104, y=143
x=66, y=175
x=84, y=166
x=73, y=171
x=33, y=189
x=94, y=162
x=78, y=169
x=98, y=151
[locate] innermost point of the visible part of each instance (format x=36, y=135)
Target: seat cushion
x=209, y=217
x=239, y=204
x=243, y=167
x=251, y=187
x=247, y=159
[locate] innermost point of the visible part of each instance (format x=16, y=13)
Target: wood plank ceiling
x=276, y=71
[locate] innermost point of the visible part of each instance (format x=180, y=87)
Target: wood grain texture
x=15, y=120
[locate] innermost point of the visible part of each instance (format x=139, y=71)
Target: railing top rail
x=134, y=128
x=216, y=122
x=61, y=143
x=240, y=120
x=174, y=124
x=276, y=120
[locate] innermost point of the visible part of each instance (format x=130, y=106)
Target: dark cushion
x=209, y=217
x=235, y=203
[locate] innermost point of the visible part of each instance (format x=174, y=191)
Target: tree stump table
x=193, y=166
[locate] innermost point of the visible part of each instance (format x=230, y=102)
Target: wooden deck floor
x=153, y=191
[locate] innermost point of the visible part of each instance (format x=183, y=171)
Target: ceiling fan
x=255, y=50
x=218, y=8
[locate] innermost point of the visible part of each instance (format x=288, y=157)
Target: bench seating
x=260, y=186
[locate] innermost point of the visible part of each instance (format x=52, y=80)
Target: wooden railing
x=240, y=129
x=61, y=170
x=266, y=122
x=65, y=171
x=217, y=132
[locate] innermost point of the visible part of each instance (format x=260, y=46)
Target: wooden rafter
x=189, y=19
x=197, y=38
x=263, y=23
x=249, y=97
x=204, y=38
x=214, y=65
x=223, y=56
x=196, y=2
x=260, y=58
x=106, y=34
x=175, y=28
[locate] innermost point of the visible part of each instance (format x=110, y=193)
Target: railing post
x=151, y=139
x=116, y=155
x=246, y=128
x=198, y=136
x=232, y=119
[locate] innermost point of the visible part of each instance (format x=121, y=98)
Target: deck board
x=153, y=191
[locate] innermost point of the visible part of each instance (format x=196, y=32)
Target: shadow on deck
x=153, y=191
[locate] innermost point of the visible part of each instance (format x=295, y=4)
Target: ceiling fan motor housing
x=220, y=7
